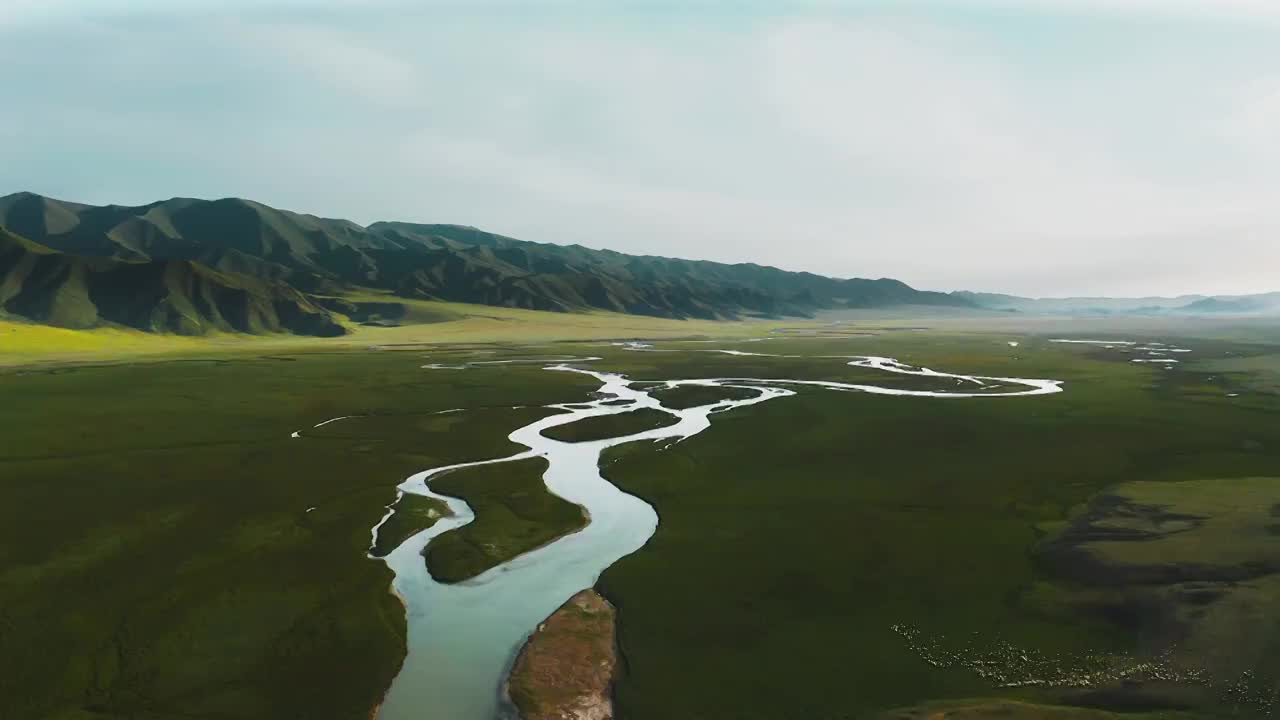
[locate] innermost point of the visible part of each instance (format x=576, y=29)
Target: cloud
x=1006, y=171
x=1214, y=9
x=951, y=150
x=333, y=57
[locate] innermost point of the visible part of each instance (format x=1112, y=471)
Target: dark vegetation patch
x=365, y=312
x=1209, y=588
x=687, y=396
x=601, y=427
x=1166, y=533
x=414, y=513
x=515, y=513
x=157, y=559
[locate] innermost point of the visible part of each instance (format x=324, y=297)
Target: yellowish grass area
x=23, y=341
x=428, y=323
x=480, y=323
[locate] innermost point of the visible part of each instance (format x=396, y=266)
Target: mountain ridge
x=296, y=258
x=46, y=286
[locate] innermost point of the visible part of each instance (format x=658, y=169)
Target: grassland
x=159, y=554
x=160, y=557
x=601, y=427
x=683, y=397
x=1200, y=557
x=515, y=513
x=801, y=531
x=425, y=323
x=414, y=513
x=1215, y=528
x=24, y=342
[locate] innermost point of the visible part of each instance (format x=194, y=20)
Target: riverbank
x=565, y=670
x=463, y=636
x=603, y=427
x=515, y=514
x=413, y=514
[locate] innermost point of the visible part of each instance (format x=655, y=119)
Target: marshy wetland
x=848, y=535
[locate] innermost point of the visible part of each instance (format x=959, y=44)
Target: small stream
x=463, y=638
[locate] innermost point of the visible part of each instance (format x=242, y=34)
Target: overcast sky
x=1042, y=147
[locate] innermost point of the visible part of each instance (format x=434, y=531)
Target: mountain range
x=1259, y=304
x=193, y=266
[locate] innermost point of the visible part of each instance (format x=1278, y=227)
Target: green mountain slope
x=577, y=276
x=46, y=286
x=444, y=262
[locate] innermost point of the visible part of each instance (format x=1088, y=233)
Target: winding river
x=463, y=637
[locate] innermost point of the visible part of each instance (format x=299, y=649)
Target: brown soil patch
x=565, y=670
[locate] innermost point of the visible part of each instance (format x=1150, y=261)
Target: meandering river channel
x=464, y=637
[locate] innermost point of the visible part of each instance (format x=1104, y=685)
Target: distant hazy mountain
x=160, y=266
x=1264, y=304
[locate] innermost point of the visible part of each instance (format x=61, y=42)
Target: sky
x=1038, y=147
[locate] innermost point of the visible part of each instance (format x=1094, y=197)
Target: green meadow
x=414, y=513
x=687, y=396
x=167, y=549
x=514, y=514
x=601, y=427
x=804, y=533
